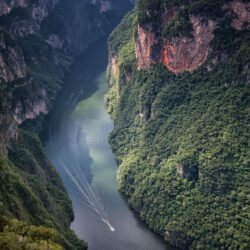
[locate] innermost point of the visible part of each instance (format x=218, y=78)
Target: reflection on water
x=79, y=149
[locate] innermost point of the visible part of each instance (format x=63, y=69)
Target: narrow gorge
x=124, y=124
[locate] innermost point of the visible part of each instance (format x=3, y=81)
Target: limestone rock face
x=12, y=64
x=114, y=65
x=37, y=46
x=190, y=173
x=242, y=12
x=31, y=108
x=20, y=25
x=19, y=19
x=181, y=54
x=184, y=53
x=55, y=42
x=178, y=54
x=145, y=51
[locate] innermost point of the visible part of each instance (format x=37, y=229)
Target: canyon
x=178, y=94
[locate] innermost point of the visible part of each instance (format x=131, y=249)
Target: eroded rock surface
x=145, y=51
x=242, y=12
x=181, y=54
x=178, y=54
x=184, y=53
x=114, y=66
x=30, y=109
x=12, y=65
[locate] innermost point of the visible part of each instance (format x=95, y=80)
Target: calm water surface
x=78, y=141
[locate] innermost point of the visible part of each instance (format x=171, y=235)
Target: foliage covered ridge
x=181, y=139
x=32, y=192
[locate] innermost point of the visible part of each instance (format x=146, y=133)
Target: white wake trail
x=90, y=196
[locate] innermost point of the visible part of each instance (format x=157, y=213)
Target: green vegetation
x=122, y=41
x=123, y=32
x=148, y=10
x=45, y=65
x=178, y=25
x=32, y=191
x=182, y=143
x=17, y=235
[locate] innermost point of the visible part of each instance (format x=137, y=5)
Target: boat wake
x=81, y=186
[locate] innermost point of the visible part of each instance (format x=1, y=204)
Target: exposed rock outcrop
x=7, y=6
x=12, y=64
x=114, y=66
x=38, y=44
x=145, y=44
x=31, y=109
x=190, y=173
x=35, y=12
x=178, y=54
x=181, y=54
x=55, y=41
x=242, y=12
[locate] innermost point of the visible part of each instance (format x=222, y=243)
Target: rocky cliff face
x=19, y=20
x=114, y=67
x=145, y=51
x=12, y=64
x=22, y=18
x=30, y=109
x=180, y=53
x=242, y=14
x=38, y=44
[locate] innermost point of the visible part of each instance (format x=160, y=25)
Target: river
x=78, y=146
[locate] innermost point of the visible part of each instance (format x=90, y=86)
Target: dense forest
x=182, y=139
x=32, y=191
